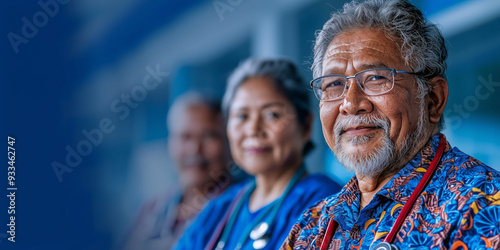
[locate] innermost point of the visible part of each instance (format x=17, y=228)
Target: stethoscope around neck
x=386, y=244
x=259, y=229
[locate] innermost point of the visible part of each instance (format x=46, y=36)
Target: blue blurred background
x=69, y=66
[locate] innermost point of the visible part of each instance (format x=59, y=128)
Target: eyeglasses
x=371, y=81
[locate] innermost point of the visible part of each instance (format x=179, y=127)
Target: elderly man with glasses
x=380, y=78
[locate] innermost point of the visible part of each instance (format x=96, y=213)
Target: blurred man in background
x=198, y=145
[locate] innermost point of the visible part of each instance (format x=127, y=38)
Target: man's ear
x=438, y=95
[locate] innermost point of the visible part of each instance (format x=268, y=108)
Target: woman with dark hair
x=266, y=105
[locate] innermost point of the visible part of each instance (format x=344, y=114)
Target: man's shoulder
x=468, y=177
x=319, y=209
x=470, y=169
x=312, y=220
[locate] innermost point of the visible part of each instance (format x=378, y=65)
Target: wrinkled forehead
x=364, y=49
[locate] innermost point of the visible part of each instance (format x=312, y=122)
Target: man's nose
x=355, y=101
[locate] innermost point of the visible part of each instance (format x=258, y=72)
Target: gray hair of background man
x=284, y=75
x=190, y=99
x=421, y=43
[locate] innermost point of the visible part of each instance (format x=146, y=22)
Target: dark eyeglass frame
x=315, y=89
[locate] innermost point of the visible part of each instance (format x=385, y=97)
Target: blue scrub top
x=305, y=193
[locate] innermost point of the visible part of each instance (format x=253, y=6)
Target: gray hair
x=422, y=43
x=188, y=100
x=284, y=75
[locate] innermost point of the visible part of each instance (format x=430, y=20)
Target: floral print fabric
x=458, y=209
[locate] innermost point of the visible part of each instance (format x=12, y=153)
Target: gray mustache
x=351, y=121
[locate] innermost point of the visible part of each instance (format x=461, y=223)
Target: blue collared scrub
x=458, y=209
x=304, y=193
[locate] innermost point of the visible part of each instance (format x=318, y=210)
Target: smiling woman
x=263, y=130
x=269, y=127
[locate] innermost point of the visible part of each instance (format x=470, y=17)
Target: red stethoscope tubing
x=328, y=236
x=406, y=208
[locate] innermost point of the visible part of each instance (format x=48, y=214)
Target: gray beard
x=383, y=160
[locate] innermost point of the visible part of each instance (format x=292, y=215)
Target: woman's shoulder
x=317, y=186
x=217, y=207
x=226, y=197
x=233, y=190
x=320, y=181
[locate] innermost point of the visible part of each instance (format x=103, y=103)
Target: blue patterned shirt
x=458, y=209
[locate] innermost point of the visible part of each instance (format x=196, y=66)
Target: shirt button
x=354, y=233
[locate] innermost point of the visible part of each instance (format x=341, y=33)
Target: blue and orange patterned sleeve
x=300, y=234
